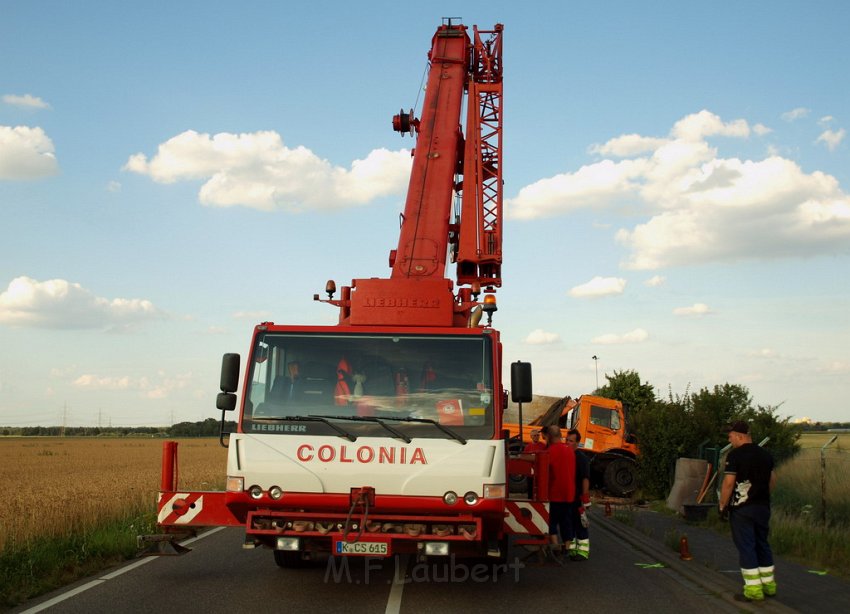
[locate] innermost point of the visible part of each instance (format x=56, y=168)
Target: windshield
x=426, y=386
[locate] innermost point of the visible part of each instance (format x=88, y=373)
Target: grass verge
x=44, y=564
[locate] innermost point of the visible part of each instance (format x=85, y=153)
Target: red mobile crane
x=383, y=434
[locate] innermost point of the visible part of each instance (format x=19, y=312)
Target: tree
x=664, y=433
x=625, y=386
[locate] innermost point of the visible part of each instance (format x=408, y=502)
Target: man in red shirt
x=562, y=487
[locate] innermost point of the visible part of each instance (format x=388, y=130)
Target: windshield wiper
x=339, y=430
x=446, y=430
x=380, y=421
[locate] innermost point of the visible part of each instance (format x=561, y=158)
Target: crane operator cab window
x=415, y=383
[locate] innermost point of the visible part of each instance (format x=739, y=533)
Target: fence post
x=823, y=479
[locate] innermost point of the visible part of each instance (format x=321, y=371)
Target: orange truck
x=605, y=440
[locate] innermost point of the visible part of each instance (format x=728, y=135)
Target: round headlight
x=275, y=492
x=470, y=498
x=255, y=491
x=450, y=498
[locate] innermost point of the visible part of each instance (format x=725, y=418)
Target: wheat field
x=58, y=486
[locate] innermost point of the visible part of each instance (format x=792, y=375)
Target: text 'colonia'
x=362, y=454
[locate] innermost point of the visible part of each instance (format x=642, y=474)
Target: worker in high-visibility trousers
x=748, y=480
x=579, y=549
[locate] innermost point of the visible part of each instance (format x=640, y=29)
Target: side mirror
x=521, y=382
x=225, y=401
x=229, y=373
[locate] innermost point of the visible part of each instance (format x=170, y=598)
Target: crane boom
x=425, y=227
x=447, y=164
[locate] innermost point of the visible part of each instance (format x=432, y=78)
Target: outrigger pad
x=161, y=545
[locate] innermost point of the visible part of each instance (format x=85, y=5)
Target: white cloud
x=93, y=382
x=25, y=101
x=826, y=120
x=257, y=170
x=764, y=353
x=638, y=335
x=254, y=316
x=599, y=286
x=698, y=126
x=795, y=114
x=832, y=138
x=697, y=309
x=655, y=281
x=761, y=129
x=541, y=337
x=628, y=145
x=26, y=153
x=594, y=185
x=160, y=388
x=113, y=186
x=836, y=367
x=59, y=304
x=700, y=207
x=166, y=385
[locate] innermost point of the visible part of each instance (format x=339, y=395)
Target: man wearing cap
x=748, y=481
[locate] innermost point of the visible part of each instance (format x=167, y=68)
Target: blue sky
x=676, y=181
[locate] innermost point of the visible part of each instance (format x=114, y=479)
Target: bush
x=682, y=426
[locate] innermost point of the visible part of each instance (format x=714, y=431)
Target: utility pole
x=596, y=364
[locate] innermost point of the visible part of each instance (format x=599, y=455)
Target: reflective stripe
x=751, y=577
x=583, y=545
x=766, y=574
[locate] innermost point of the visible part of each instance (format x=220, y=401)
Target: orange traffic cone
x=608, y=508
x=684, y=553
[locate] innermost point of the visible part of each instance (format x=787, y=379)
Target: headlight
x=255, y=491
x=275, y=492
x=450, y=498
x=470, y=498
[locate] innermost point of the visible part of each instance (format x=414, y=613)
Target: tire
x=288, y=558
x=518, y=483
x=620, y=477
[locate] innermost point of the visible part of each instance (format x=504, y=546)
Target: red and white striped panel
x=526, y=518
x=194, y=505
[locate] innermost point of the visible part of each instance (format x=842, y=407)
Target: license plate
x=370, y=548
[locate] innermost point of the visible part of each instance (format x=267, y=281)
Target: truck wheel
x=620, y=477
x=288, y=558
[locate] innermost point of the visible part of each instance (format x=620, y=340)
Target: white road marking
x=74, y=592
x=394, y=600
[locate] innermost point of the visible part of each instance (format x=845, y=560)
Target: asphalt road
x=219, y=576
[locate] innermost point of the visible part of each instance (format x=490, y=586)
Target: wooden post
x=823, y=479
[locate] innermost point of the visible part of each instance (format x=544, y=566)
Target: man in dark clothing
x=562, y=487
x=579, y=548
x=748, y=481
